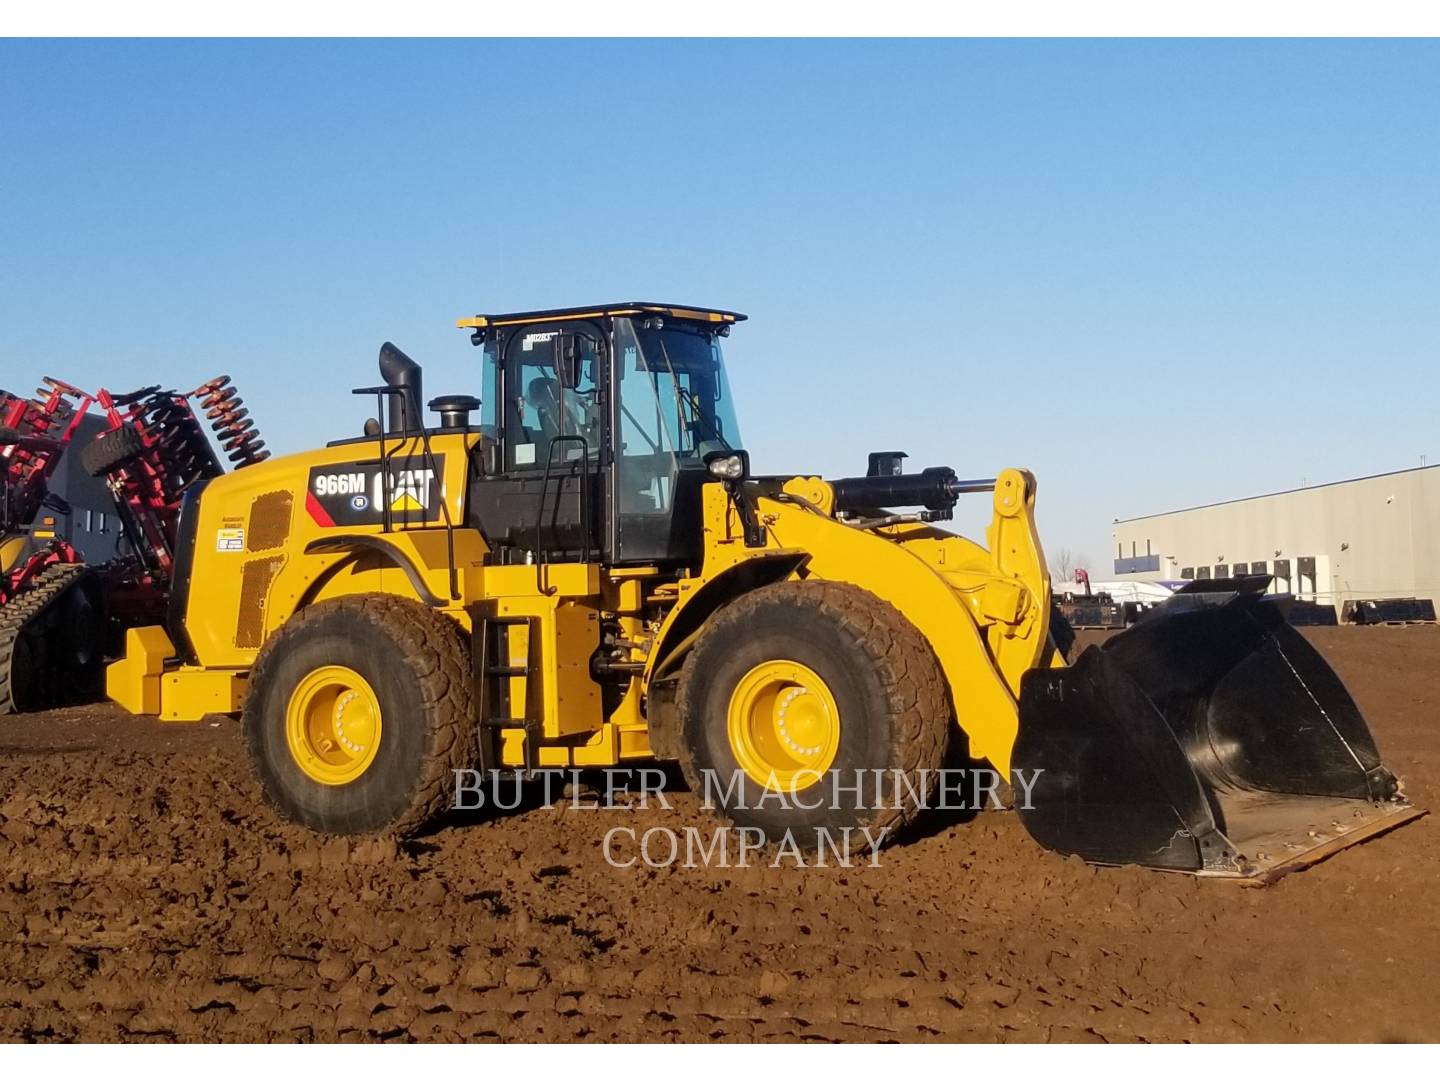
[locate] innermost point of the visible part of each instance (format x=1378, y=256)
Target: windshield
x=674, y=397
x=673, y=409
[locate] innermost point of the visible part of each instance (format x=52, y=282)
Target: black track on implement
x=31, y=673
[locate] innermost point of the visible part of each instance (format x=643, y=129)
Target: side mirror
x=569, y=349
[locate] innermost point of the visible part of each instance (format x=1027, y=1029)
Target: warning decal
x=229, y=539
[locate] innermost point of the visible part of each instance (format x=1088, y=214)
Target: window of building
x=1258, y=568
x=1188, y=573
x=1202, y=573
x=1241, y=569
x=1221, y=570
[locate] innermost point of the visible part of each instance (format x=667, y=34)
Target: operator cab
x=599, y=422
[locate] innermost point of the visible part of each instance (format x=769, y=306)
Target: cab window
x=538, y=410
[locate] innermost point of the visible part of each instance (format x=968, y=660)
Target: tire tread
x=913, y=683
x=433, y=647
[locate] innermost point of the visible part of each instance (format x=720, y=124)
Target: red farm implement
x=70, y=584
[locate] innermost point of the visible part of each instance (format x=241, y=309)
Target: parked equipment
x=67, y=589
x=588, y=574
x=1393, y=609
x=1086, y=610
x=44, y=589
x=1311, y=613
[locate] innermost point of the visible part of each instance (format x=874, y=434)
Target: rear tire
x=875, y=696
x=404, y=671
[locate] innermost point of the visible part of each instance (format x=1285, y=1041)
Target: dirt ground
x=149, y=896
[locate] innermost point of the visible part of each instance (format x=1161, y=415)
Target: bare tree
x=1062, y=564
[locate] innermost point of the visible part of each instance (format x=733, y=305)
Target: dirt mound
x=148, y=895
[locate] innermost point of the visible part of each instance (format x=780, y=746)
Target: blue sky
x=1155, y=273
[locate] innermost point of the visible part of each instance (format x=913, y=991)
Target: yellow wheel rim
x=783, y=725
x=332, y=725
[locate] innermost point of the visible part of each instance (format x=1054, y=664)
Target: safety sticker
x=230, y=539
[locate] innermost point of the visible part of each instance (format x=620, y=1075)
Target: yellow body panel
x=191, y=693
x=134, y=681
x=251, y=570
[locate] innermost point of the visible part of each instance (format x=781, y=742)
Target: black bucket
x=1210, y=738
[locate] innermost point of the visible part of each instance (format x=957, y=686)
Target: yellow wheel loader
x=581, y=571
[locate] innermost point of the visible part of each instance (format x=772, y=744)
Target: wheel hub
x=332, y=725
x=783, y=725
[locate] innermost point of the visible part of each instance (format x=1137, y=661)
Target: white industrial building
x=1371, y=538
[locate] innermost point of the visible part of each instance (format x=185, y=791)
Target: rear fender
x=408, y=563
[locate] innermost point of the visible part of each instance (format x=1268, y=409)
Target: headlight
x=730, y=467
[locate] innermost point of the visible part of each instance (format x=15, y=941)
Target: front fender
x=985, y=706
x=700, y=598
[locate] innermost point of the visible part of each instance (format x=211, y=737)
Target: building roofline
x=1273, y=494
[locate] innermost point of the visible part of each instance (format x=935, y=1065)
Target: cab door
x=544, y=500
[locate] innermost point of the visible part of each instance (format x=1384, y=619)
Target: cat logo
x=359, y=493
x=411, y=491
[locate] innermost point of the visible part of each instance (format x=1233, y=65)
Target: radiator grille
x=255, y=582
x=269, y=521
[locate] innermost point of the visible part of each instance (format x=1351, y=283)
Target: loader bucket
x=1209, y=738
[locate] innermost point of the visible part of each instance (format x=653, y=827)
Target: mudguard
x=1211, y=738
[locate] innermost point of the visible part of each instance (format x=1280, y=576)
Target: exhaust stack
x=403, y=374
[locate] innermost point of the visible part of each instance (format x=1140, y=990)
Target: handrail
x=428, y=454
x=583, y=497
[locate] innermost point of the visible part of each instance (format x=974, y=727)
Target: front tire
x=806, y=688
x=358, y=710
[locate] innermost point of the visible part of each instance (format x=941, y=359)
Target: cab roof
x=628, y=307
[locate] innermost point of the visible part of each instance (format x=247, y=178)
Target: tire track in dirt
x=147, y=895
